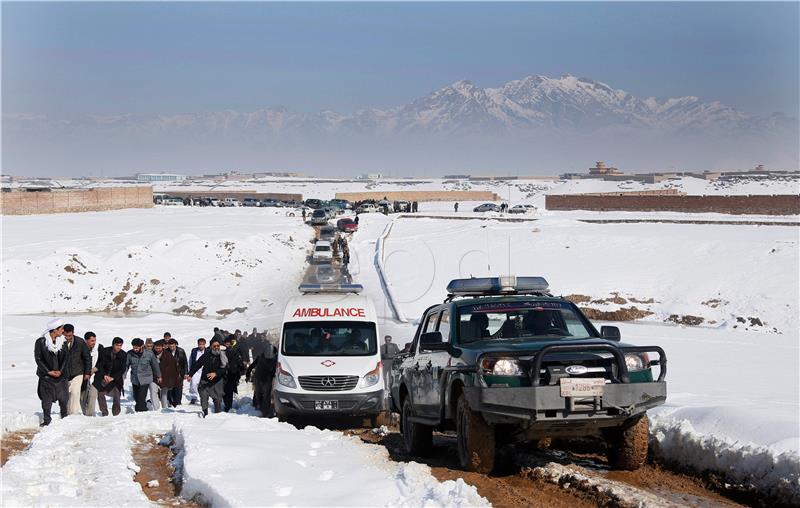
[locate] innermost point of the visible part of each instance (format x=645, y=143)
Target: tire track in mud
x=532, y=477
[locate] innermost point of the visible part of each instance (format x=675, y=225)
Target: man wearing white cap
x=51, y=360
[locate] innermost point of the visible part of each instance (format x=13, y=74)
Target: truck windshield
x=329, y=338
x=520, y=320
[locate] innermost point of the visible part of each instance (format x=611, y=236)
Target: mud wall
x=75, y=200
x=736, y=205
x=420, y=195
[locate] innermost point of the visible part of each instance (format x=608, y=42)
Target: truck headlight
x=506, y=367
x=372, y=377
x=637, y=361
x=285, y=379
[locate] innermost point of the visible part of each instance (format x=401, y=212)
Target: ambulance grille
x=328, y=383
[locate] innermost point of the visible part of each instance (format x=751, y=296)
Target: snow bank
x=771, y=473
x=235, y=461
x=80, y=461
x=197, y=261
x=725, y=275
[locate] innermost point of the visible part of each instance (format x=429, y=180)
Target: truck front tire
x=627, y=445
x=476, y=439
x=417, y=438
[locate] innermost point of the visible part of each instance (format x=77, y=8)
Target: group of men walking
x=80, y=374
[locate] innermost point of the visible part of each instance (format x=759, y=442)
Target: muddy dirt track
x=559, y=478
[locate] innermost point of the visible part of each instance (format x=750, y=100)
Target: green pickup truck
x=503, y=361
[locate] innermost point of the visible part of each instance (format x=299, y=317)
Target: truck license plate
x=326, y=405
x=582, y=387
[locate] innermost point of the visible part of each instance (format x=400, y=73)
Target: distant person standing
x=110, y=376
x=304, y=214
x=388, y=352
x=144, y=368
x=79, y=367
x=51, y=359
x=455, y=207
x=356, y=219
x=155, y=399
x=194, y=356
x=89, y=393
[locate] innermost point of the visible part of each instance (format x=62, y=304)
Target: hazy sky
x=63, y=59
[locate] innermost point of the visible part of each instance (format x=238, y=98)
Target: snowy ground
x=733, y=387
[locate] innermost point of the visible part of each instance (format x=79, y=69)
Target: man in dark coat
x=234, y=372
x=79, y=367
x=176, y=394
x=144, y=368
x=169, y=371
x=212, y=366
x=110, y=376
x=264, y=366
x=51, y=360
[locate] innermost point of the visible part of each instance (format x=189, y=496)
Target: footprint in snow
x=283, y=491
x=301, y=463
x=325, y=476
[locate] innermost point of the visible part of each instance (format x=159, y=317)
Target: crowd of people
x=81, y=374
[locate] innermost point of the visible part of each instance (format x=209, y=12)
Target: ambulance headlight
x=285, y=379
x=372, y=377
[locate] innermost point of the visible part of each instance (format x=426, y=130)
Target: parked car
x=319, y=217
x=347, y=225
x=341, y=204
x=314, y=203
x=214, y=202
x=270, y=202
x=367, y=208
x=250, y=202
x=230, y=202
x=503, y=361
x=171, y=201
x=322, y=252
x=327, y=233
x=486, y=207
x=518, y=209
x=402, y=206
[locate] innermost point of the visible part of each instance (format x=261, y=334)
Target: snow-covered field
x=733, y=386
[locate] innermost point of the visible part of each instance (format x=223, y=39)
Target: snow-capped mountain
x=534, y=102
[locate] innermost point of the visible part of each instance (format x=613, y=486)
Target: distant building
x=159, y=177
x=600, y=169
x=456, y=177
x=369, y=176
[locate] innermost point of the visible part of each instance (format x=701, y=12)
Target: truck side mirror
x=610, y=333
x=432, y=341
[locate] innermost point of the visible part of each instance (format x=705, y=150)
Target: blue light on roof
x=497, y=285
x=330, y=288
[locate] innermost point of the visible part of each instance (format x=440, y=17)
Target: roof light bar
x=497, y=285
x=330, y=288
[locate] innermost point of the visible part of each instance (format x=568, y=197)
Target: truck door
x=435, y=366
x=420, y=384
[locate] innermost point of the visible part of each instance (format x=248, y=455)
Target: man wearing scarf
x=51, y=363
x=213, y=366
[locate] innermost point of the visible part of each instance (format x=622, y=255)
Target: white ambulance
x=329, y=361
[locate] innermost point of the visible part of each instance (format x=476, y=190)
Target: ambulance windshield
x=329, y=338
